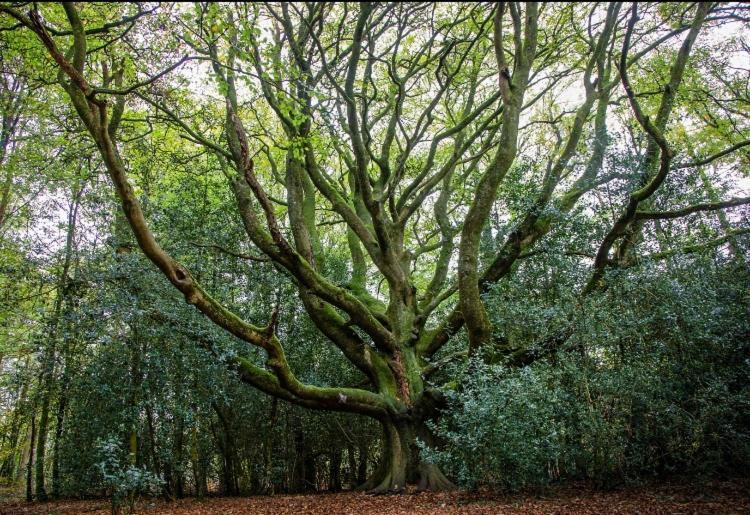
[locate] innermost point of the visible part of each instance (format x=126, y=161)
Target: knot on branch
x=505, y=73
x=399, y=371
x=180, y=275
x=182, y=278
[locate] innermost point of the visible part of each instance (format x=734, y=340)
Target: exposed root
x=432, y=479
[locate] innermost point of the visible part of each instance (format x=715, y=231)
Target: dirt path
x=711, y=497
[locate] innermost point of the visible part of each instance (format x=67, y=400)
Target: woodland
x=293, y=248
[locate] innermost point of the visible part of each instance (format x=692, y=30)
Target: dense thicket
x=252, y=248
x=661, y=392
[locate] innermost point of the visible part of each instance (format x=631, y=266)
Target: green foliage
x=124, y=481
x=662, y=390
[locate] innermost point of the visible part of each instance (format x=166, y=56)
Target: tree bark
x=335, y=470
x=61, y=405
x=364, y=457
x=41, y=444
x=156, y=463
x=199, y=465
x=30, y=465
x=401, y=463
x=226, y=445
x=267, y=486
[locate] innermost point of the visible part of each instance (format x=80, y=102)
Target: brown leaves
x=711, y=497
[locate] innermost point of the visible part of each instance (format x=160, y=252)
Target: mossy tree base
x=401, y=464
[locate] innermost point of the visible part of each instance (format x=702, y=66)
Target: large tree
x=402, y=136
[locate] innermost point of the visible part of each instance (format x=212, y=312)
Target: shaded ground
x=710, y=497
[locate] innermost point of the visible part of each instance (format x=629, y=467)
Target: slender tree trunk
x=351, y=476
x=267, y=486
x=304, y=477
x=61, y=406
x=30, y=464
x=298, y=476
x=179, y=479
x=152, y=438
x=41, y=446
x=204, y=476
x=136, y=379
x=310, y=475
x=227, y=448
x=179, y=427
x=364, y=457
x=156, y=462
x=222, y=464
x=335, y=470
x=198, y=464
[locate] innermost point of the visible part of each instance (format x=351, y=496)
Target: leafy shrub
x=662, y=389
x=125, y=481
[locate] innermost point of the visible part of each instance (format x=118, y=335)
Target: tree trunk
x=61, y=405
x=335, y=470
x=364, y=457
x=156, y=462
x=400, y=462
x=303, y=474
x=30, y=465
x=225, y=441
x=178, y=448
x=267, y=486
x=198, y=465
x=310, y=472
x=298, y=474
x=351, y=466
x=179, y=478
x=41, y=446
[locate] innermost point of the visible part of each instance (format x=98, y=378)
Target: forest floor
x=708, y=497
